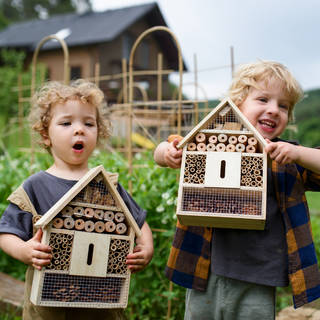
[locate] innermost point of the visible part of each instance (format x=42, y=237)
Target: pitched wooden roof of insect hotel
x=223, y=172
x=91, y=232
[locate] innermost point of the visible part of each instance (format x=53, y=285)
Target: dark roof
x=86, y=29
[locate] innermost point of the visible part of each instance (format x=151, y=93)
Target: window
x=127, y=45
x=144, y=54
x=75, y=73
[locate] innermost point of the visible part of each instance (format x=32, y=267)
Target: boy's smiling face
x=267, y=108
x=72, y=133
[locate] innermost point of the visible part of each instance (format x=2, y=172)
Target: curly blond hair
x=56, y=92
x=248, y=75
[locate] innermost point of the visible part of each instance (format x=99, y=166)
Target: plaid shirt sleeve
x=291, y=182
x=190, y=256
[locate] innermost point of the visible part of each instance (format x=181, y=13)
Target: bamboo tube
x=78, y=212
x=99, y=226
x=252, y=141
x=79, y=224
x=119, y=217
x=220, y=147
x=67, y=211
x=68, y=223
x=192, y=170
x=211, y=147
x=243, y=139
x=89, y=226
x=200, y=138
x=108, y=216
x=240, y=147
x=186, y=173
x=192, y=146
x=222, y=138
x=259, y=178
x=250, y=149
x=233, y=140
x=253, y=184
x=57, y=223
x=186, y=180
x=201, y=147
x=88, y=213
x=213, y=139
x=121, y=228
x=110, y=226
x=98, y=214
x=230, y=148
x=196, y=179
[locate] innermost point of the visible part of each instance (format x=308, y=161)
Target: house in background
x=103, y=37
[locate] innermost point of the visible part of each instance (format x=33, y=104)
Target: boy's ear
x=46, y=140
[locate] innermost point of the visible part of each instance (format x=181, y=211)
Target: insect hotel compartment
x=90, y=237
x=223, y=172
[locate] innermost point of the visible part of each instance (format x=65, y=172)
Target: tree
x=15, y=10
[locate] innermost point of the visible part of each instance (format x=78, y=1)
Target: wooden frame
x=219, y=188
x=88, y=268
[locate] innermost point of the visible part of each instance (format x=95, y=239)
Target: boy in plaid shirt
x=233, y=274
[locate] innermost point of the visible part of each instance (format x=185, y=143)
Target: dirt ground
x=303, y=313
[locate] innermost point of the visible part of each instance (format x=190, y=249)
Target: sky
x=281, y=30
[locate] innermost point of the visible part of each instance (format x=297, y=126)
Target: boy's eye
x=66, y=124
x=88, y=124
x=283, y=106
x=263, y=99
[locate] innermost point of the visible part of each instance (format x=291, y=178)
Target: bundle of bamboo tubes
x=252, y=172
x=90, y=220
x=195, y=169
x=61, y=245
x=119, y=249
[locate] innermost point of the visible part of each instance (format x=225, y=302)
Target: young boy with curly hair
x=71, y=122
x=233, y=274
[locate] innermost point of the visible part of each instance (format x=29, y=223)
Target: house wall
x=83, y=57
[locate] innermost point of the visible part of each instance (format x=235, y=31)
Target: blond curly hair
x=248, y=75
x=56, y=92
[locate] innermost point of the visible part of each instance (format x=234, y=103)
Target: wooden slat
x=11, y=293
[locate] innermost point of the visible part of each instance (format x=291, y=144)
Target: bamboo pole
x=159, y=95
x=66, y=77
x=196, y=106
x=20, y=95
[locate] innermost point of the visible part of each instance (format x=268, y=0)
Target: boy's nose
x=79, y=132
x=273, y=108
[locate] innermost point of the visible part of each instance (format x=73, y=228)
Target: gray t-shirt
x=258, y=256
x=44, y=190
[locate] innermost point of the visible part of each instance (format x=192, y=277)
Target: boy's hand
x=282, y=152
x=35, y=253
x=140, y=258
x=173, y=155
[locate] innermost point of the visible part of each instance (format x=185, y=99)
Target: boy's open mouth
x=267, y=124
x=78, y=146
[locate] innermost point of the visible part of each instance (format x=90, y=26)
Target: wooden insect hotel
x=90, y=231
x=223, y=176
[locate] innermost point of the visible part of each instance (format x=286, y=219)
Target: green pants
x=229, y=299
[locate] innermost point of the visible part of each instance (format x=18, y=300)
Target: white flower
x=96, y=152
x=138, y=156
x=143, y=187
x=160, y=208
x=175, y=201
x=174, y=217
x=164, y=221
x=170, y=201
x=165, y=195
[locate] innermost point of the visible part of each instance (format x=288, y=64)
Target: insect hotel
x=223, y=172
x=90, y=231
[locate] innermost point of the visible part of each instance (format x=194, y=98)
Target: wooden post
x=159, y=95
x=232, y=62
x=196, y=106
x=97, y=74
x=20, y=95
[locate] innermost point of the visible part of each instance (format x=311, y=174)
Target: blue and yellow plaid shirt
x=189, y=260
